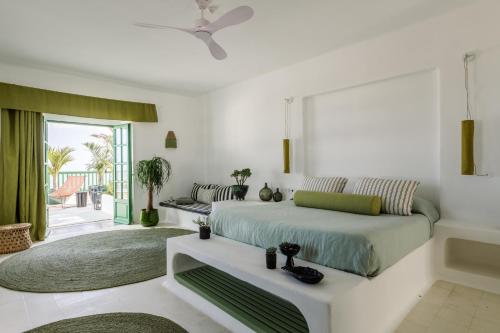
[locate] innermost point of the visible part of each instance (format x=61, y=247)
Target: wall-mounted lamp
x=170, y=140
x=468, y=167
x=286, y=140
x=468, y=164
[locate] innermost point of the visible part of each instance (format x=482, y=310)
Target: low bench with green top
x=256, y=308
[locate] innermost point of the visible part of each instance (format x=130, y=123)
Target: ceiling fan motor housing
x=204, y=4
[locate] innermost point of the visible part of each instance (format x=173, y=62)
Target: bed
x=359, y=244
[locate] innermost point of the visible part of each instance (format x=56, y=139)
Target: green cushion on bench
x=258, y=309
x=343, y=202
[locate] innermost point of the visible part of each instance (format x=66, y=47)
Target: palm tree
x=58, y=157
x=101, y=159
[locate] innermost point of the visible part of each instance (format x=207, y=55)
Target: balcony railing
x=90, y=178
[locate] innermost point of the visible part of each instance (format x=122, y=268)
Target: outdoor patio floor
x=71, y=215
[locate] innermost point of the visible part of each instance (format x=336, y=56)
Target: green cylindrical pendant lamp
x=468, y=147
x=286, y=155
x=286, y=140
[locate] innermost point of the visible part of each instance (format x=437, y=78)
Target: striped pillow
x=196, y=187
x=223, y=193
x=324, y=184
x=397, y=195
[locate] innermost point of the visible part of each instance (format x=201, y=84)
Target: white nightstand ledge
x=469, y=253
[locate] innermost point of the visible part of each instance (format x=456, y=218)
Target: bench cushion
x=196, y=207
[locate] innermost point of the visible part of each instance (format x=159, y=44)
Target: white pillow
x=206, y=196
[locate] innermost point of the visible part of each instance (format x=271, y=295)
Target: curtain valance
x=47, y=101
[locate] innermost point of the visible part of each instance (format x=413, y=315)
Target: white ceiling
x=97, y=38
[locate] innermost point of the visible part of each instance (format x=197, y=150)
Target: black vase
x=240, y=191
x=205, y=232
x=271, y=260
x=277, y=196
x=265, y=194
x=289, y=250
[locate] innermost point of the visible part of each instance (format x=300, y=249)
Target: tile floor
x=20, y=311
x=446, y=308
x=452, y=308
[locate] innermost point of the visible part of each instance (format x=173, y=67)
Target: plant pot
x=205, y=232
x=149, y=219
x=271, y=260
x=240, y=191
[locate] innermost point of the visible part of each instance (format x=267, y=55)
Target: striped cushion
x=324, y=184
x=397, y=195
x=196, y=207
x=223, y=193
x=196, y=187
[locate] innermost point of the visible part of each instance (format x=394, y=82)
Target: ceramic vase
x=265, y=194
x=277, y=196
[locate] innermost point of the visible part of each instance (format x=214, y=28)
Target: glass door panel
x=121, y=174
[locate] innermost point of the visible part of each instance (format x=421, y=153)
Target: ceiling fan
x=204, y=29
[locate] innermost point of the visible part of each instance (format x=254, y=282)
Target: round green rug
x=112, y=322
x=89, y=262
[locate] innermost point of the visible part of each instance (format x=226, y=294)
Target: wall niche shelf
x=468, y=253
x=473, y=257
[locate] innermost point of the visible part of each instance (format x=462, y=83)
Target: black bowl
x=306, y=274
x=289, y=249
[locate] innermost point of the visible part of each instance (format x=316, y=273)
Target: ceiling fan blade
x=216, y=50
x=233, y=17
x=158, y=26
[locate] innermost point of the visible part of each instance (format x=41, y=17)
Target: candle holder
x=289, y=250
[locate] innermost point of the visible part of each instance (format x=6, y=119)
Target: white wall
x=178, y=113
x=394, y=124
x=245, y=121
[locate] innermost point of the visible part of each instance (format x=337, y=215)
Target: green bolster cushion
x=343, y=202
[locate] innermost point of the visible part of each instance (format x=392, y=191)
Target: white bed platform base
x=341, y=303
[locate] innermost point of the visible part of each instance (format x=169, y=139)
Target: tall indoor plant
x=240, y=189
x=152, y=175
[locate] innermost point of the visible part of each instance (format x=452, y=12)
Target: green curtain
x=47, y=101
x=21, y=170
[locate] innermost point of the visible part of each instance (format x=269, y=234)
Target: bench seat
x=196, y=207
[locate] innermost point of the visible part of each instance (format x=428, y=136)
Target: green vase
x=277, y=196
x=149, y=219
x=265, y=194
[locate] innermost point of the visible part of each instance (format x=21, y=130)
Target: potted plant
x=240, y=189
x=271, y=257
x=152, y=175
x=204, y=225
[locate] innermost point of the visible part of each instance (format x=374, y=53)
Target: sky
x=71, y=135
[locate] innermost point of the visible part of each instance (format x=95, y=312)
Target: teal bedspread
x=360, y=244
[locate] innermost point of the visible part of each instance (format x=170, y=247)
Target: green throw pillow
x=343, y=202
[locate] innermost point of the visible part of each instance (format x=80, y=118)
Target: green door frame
x=121, y=220
x=122, y=174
